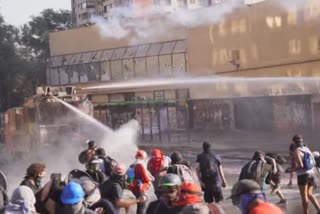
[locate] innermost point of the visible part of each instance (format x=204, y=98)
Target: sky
x=18, y=12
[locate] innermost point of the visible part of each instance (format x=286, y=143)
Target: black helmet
x=297, y=138
x=170, y=180
x=91, y=144
x=176, y=157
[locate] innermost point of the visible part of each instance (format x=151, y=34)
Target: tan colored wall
x=86, y=39
x=265, y=35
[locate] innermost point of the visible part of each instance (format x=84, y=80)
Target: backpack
x=83, y=157
x=307, y=160
x=109, y=164
x=252, y=170
x=317, y=160
x=130, y=174
x=208, y=166
x=184, y=173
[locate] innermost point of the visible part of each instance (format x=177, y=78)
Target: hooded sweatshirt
x=22, y=201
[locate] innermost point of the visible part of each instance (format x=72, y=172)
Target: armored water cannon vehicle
x=44, y=119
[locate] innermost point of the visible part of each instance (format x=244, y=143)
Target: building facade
x=84, y=10
x=260, y=41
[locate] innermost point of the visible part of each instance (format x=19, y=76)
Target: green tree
x=9, y=63
x=35, y=39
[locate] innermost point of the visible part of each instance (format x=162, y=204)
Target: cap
x=245, y=186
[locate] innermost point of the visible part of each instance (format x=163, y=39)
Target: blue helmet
x=72, y=193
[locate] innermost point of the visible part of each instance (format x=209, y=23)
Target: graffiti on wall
x=211, y=114
x=290, y=114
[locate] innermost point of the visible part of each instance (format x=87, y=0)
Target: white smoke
x=156, y=21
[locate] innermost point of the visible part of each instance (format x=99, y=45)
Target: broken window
x=130, y=52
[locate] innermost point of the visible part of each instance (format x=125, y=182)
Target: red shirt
x=265, y=208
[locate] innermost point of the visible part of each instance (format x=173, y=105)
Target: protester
x=180, y=167
x=305, y=166
x=108, y=163
x=274, y=176
x=87, y=155
x=113, y=189
x=158, y=166
x=210, y=174
x=93, y=198
x=72, y=198
x=248, y=197
x=168, y=191
x=258, y=168
x=22, y=201
x=35, y=173
x=142, y=179
x=94, y=170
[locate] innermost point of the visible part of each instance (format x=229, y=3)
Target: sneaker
x=283, y=201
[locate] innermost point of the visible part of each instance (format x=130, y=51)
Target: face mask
x=246, y=199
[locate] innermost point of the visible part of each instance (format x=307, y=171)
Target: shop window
x=274, y=21
x=295, y=46
x=292, y=17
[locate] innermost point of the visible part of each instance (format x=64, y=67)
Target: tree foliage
x=35, y=34
x=24, y=54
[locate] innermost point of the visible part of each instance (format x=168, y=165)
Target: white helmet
x=316, y=154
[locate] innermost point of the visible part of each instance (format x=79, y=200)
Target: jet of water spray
x=85, y=116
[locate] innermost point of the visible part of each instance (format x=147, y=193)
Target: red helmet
x=141, y=154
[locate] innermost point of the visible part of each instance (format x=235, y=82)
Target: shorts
x=212, y=194
x=306, y=179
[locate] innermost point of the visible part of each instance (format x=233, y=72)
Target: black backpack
x=317, y=159
x=252, y=170
x=109, y=164
x=208, y=166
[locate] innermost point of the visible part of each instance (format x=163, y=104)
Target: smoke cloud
x=156, y=21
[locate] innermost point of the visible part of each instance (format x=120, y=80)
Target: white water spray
x=119, y=144
x=191, y=81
